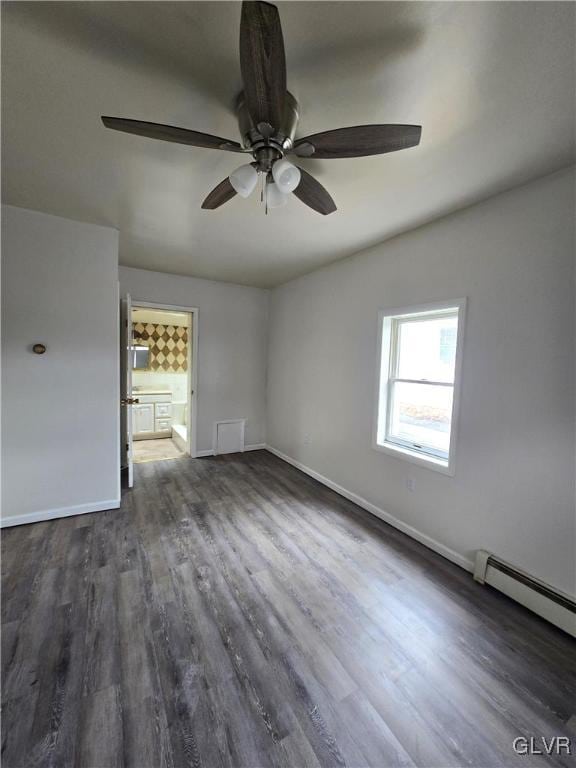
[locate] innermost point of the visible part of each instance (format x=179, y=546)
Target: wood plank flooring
x=234, y=612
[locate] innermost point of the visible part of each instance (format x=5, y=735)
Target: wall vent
x=548, y=602
x=228, y=436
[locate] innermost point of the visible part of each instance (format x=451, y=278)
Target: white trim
x=414, y=533
x=192, y=437
x=425, y=460
x=253, y=447
x=437, y=464
x=227, y=421
x=118, y=418
x=422, y=309
x=480, y=565
x=193, y=358
x=51, y=514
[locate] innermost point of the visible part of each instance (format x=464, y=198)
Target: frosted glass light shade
x=286, y=176
x=274, y=197
x=244, y=180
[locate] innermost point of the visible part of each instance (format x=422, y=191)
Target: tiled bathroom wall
x=168, y=345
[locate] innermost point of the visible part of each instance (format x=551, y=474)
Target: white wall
x=232, y=327
x=175, y=382
x=60, y=410
x=513, y=492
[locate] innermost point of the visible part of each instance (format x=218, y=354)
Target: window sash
x=430, y=382
x=397, y=322
x=422, y=447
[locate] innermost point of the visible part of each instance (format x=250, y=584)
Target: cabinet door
x=163, y=410
x=143, y=418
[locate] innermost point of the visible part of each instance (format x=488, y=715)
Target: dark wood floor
x=236, y=613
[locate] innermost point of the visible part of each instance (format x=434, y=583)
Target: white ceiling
x=491, y=83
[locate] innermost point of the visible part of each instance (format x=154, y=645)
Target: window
x=418, y=383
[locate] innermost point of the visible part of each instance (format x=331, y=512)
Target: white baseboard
x=254, y=447
x=51, y=514
x=409, y=530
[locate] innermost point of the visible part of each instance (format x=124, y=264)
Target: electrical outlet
x=411, y=484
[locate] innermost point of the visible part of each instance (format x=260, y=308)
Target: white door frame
x=124, y=401
x=192, y=366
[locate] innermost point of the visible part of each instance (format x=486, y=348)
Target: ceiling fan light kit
x=244, y=179
x=286, y=175
x=268, y=119
x=275, y=198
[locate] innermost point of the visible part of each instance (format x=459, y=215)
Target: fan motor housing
x=255, y=137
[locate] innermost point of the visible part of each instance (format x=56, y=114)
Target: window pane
x=421, y=415
x=427, y=348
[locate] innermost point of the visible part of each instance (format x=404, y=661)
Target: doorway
x=160, y=421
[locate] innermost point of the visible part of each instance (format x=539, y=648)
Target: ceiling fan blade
x=219, y=195
x=263, y=63
x=170, y=133
x=359, y=141
x=313, y=194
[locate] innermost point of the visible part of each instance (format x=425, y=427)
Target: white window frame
x=386, y=370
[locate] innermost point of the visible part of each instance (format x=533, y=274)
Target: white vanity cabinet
x=152, y=415
x=143, y=419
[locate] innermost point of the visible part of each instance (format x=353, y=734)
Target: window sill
x=415, y=457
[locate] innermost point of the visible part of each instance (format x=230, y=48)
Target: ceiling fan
x=268, y=116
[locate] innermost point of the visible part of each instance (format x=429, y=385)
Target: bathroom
x=161, y=383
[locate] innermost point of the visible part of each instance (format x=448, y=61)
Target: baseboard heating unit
x=548, y=602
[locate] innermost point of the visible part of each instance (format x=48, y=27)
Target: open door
x=126, y=401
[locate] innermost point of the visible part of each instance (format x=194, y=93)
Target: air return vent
x=229, y=436
x=548, y=602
